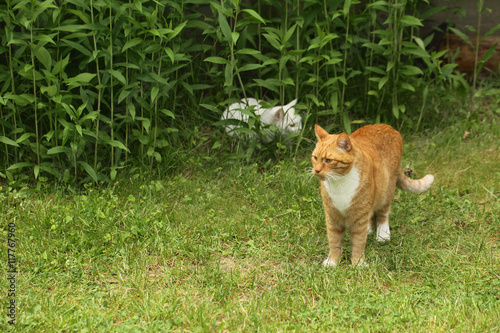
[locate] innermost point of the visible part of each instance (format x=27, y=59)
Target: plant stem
x=13, y=90
x=112, y=100
x=35, y=102
x=480, y=5
x=99, y=88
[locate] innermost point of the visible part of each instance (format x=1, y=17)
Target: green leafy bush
x=90, y=87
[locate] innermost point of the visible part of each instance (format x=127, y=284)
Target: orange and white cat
x=358, y=174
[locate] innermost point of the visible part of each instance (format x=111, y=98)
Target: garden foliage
x=90, y=87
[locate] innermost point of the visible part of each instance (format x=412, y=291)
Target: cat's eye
x=315, y=158
x=328, y=160
x=292, y=125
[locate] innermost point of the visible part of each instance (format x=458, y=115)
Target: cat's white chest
x=342, y=190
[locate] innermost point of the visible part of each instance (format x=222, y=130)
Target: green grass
x=240, y=249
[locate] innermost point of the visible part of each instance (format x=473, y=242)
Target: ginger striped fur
x=358, y=175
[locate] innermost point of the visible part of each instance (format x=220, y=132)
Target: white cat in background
x=283, y=117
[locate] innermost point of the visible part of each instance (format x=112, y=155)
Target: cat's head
x=333, y=156
x=285, y=118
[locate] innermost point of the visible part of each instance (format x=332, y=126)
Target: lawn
x=239, y=248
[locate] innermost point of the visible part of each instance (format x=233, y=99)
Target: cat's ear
x=320, y=133
x=343, y=142
x=290, y=105
x=279, y=115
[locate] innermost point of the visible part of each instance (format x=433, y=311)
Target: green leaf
x=78, y=47
x=314, y=99
x=59, y=150
x=211, y=108
x=408, y=21
x=20, y=165
x=79, y=129
x=380, y=5
x=289, y=34
x=273, y=40
x=235, y=36
x=217, y=60
x=410, y=70
x=90, y=171
x=45, y=38
x=216, y=145
x=124, y=93
x=491, y=31
x=271, y=84
x=248, y=51
x=255, y=15
x=288, y=81
x=200, y=86
x=44, y=57
x=347, y=6
x=463, y=36
x=8, y=141
x=168, y=113
x=117, y=144
x=419, y=42
x=47, y=167
x=113, y=173
x=79, y=79
x=146, y=123
x=487, y=55
x=24, y=137
x=131, y=43
x=447, y=69
x=154, y=93
x=346, y=122
x=382, y=82
x=249, y=67
x=155, y=78
x=51, y=91
x=376, y=70
x=395, y=111
x=177, y=30
x=21, y=100
x=17, y=42
x=407, y=86
x=70, y=28
x=117, y=75
x=138, y=5
x=224, y=26
x=91, y=115
x=433, y=10
x=170, y=54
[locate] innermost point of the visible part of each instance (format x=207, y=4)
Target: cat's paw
x=329, y=263
x=383, y=233
x=383, y=238
x=361, y=265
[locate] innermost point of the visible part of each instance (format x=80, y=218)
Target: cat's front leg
x=335, y=231
x=358, y=233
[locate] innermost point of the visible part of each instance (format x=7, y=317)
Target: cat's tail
x=414, y=185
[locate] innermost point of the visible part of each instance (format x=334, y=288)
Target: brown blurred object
x=465, y=59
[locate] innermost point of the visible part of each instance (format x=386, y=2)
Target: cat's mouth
x=319, y=175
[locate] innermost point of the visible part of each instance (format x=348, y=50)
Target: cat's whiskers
x=310, y=173
x=335, y=177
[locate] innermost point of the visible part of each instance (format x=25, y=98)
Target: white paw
x=329, y=263
x=383, y=232
x=382, y=238
x=362, y=265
